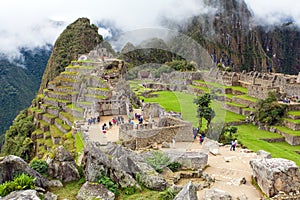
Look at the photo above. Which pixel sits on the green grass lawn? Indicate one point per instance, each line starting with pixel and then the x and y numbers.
pixel 250 137
pixel 183 103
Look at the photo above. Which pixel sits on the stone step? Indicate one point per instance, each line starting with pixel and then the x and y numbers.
pixel 66 117
pixel 94 81
pixel 242 100
pixel 44 126
pixel 64 89
pixel 98 91
pixel 56 134
pixel 37 134
pixel 62 126
pixel 50 119
pixel 293 124
pixel 81 70
pixel 59 95
pixel 69 75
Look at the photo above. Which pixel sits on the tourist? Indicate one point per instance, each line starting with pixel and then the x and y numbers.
pixel 109 124
pixel 195 132
pixel 233 144
pixel 173 142
pixel 201 139
pixel 104 128
pixel 98 119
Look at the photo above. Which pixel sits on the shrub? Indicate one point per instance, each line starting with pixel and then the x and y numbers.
pixel 108 183
pixel 168 194
pixel 158 160
pixel 174 166
pixel 20 182
pixel 40 166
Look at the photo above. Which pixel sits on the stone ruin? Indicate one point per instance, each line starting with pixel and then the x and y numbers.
pixel 165 129
pixel 276 175
pixel 160 126
pixel 258 84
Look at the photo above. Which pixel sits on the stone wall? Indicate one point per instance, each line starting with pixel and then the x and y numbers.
pixel 146 135
pixel 234 109
pixel 153 110
pixel 247 103
pixel 112 107
pixel 291 139
pixel 275 175
pixel 261 92
pixel 291 125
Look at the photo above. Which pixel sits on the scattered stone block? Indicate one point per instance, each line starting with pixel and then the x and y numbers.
pixel 276 174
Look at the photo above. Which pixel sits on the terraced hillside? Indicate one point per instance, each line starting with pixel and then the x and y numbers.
pixel 73 95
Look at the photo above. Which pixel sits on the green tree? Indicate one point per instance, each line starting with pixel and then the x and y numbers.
pixel 204 111
pixel 269 111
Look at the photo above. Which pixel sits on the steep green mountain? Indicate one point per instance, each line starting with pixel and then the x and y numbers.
pixel 78 38
pixel 20 84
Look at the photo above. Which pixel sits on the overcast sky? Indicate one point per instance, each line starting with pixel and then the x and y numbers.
pixel 27 23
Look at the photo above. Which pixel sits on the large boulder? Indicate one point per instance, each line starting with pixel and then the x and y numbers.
pixel 10 166
pixel 275 175
pixel 210 146
pixel 189 160
pixel 216 194
pixel 63 166
pixel 90 191
pixel 123 166
pixel 187 193
pixel 22 195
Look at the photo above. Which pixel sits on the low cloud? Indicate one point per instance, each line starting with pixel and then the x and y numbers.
pixel 34 23
pixel 274 12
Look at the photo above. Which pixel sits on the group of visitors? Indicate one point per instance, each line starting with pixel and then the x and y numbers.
pixel 93 120
pixel 196 131
pixel 139 117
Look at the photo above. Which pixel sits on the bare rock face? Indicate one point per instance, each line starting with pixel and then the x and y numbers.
pixel 22 195
pixel 216 194
pixel 275 175
pixel 187 193
pixel 90 191
pixel 63 166
pixel 11 165
pixel 122 165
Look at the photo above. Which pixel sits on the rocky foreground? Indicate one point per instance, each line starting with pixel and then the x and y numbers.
pixel 222 173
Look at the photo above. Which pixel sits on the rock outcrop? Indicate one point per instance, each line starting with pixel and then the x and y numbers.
pixel 11 165
pixel 122 165
pixel 276 174
pixel 90 191
pixel 187 193
pixel 189 160
pixel 216 194
pixel 63 166
pixel 22 195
